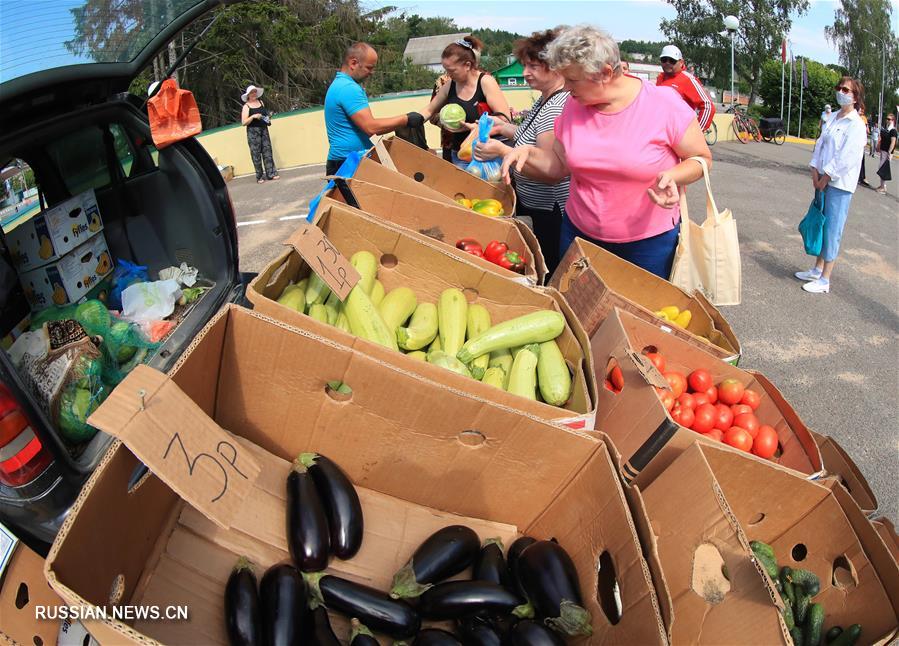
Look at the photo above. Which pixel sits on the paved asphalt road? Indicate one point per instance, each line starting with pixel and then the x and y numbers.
pixel 834 356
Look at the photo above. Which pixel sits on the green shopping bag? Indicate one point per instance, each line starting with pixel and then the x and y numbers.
pixel 812 226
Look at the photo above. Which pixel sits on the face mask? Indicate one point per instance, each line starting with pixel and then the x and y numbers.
pixel 845 99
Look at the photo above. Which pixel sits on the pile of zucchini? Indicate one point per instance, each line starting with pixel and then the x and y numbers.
pixel 530 597
pixel 803 617
pixel 520 355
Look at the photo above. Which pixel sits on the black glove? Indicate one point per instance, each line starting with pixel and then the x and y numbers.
pixel 414 120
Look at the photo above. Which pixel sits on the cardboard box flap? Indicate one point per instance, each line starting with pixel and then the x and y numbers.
pixel 166 430
pixel 887 531
pixel 839 464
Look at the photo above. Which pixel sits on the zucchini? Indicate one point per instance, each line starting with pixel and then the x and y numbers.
pixel 333 313
pixel 365 322
pixel 553 377
pixel 452 315
pixel 319 312
pixel 397 306
pixel 807 580
pixel 523 380
pixel 448 361
pixel 317 291
pixel 294 298
pixel 501 358
pixel 377 292
pixel 422 328
pixel 815 625
pixel 367 266
pixel 536 327
pixel 478 322
pixel 435 344
pixel 495 377
pixel 849 636
pixel 343 322
pixel 418 355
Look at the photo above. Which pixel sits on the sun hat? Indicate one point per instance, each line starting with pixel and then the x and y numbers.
pixel 672 51
pixel 250 88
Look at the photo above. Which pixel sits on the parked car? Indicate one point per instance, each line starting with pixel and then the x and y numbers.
pixel 74 123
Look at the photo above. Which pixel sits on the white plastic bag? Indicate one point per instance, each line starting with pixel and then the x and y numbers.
pixel 150 301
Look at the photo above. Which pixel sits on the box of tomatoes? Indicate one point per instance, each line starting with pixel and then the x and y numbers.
pixel 659 394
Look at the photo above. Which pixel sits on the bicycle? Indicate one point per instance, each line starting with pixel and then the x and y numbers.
pixel 745 127
pixel 711 135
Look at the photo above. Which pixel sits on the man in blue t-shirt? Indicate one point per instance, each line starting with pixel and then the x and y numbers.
pixel 348 118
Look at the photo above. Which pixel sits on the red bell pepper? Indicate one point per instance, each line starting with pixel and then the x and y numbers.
pixel 470 245
pixel 498 253
pixel 494 251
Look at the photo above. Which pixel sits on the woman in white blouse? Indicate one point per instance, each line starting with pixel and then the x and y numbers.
pixel 835 166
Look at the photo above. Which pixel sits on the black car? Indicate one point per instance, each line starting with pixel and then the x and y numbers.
pixel 72 121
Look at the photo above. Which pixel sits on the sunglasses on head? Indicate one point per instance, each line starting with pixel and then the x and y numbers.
pixel 668 60
pixel 844 89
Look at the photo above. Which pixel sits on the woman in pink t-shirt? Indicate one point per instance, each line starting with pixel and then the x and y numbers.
pixel 621 139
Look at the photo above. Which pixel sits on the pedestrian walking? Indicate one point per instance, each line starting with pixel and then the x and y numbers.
pixel 256 118
pixel 834 167
pixel 888 136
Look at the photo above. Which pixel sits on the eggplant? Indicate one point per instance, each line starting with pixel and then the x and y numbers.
pixel 372 607
pixel 361 635
pixel 307 524
pixel 435 637
pixel 551 584
pixel 282 596
pixel 515 549
pixel 322 633
pixel 341 502
pixel 490 564
pixel 530 633
pixel 242 619
pixel 477 631
pixel 455 599
pixel 444 553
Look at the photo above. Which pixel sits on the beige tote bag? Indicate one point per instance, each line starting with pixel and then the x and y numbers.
pixel 708 254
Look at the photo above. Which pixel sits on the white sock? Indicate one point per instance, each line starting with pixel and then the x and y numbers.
pixel 814 271
pixel 826 281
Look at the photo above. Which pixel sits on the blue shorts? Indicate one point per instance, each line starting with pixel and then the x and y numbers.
pixel 836 210
pixel 655 254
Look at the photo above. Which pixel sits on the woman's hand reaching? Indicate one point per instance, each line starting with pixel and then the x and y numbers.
pixel 664 192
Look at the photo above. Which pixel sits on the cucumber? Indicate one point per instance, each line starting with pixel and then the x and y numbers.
pixel 768 563
pixel 536 327
pixel 523 380
pixel 448 361
pixel 452 317
pixel 365 322
pixel 317 291
pixel 377 293
pixel 367 266
pixel 495 377
pixel 478 322
pixel 422 328
pixel 832 634
pixel 553 377
pixel 797 635
pixel 789 620
pixel 787 586
pixel 319 312
pixel 808 581
pixel 815 625
pixel 758 547
pixel 849 636
pixel 397 306
pixel 800 608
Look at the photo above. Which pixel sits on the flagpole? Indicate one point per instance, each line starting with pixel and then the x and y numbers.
pixel 783 63
pixel 790 94
pixel 801 88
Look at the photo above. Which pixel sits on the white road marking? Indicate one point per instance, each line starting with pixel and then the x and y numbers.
pixel 249 222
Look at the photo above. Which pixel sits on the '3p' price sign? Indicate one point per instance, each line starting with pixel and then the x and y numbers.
pixel 324 259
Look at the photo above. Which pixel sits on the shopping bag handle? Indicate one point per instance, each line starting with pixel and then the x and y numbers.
pixel 711 207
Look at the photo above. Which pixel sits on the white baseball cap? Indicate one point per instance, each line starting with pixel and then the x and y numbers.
pixel 250 88
pixel 672 51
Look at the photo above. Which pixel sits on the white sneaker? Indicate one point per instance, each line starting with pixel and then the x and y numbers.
pixel 819 286
pixel 811 274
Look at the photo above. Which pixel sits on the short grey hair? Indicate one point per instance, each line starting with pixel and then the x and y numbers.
pixel 583 45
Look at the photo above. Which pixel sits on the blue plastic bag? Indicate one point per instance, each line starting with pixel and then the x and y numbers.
pixel 347 169
pixel 812 226
pixel 490 170
pixel 126 274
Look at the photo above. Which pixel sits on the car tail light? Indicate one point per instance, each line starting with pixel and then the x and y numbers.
pixel 22 456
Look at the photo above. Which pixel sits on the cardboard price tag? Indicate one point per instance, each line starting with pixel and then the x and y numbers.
pixel 179 443
pixel 324 259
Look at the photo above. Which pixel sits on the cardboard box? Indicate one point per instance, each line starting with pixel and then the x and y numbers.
pixel 838 464
pixel 52 233
pixel 595 281
pixel 444 222
pixel 427 268
pixel 887 531
pixel 707 506
pixel 636 420
pixel 69 278
pixel 422 456
pixel 437 174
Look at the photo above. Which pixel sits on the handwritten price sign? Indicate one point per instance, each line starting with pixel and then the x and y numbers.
pixel 324 259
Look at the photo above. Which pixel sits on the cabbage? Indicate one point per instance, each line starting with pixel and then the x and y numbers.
pixel 452 115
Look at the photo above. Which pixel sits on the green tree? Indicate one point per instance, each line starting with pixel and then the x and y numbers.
pixel 821 81
pixel 861 33
pixel 650 49
pixel 696 30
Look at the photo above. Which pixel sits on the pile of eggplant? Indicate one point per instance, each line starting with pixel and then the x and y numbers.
pixel 530 597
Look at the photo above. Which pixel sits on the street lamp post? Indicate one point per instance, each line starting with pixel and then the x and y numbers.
pixel 883 63
pixel 731 24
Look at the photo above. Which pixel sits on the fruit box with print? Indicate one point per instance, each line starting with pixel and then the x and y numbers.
pixel 52 233
pixel 445 222
pixel 637 421
pixel 420 454
pixel 706 508
pixel 414 261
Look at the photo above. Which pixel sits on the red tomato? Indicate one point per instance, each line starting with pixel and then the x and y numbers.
pixel 730 391
pixel 700 380
pixel 765 443
pixel 687 401
pixel 738 438
pixel 715 434
pixel 616 378
pixel 657 360
pixel 739 409
pixel 667 398
pixel 699 399
pixel 683 416
pixel 608 385
pixel 677 381
pixel 705 417
pixel 751 399
pixel 724 418
pixel 748 421
pixel 712 394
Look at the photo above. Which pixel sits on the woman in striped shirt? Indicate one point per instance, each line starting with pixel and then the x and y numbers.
pixel 542 202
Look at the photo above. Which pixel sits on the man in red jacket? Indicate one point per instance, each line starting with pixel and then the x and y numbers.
pixel 674 75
